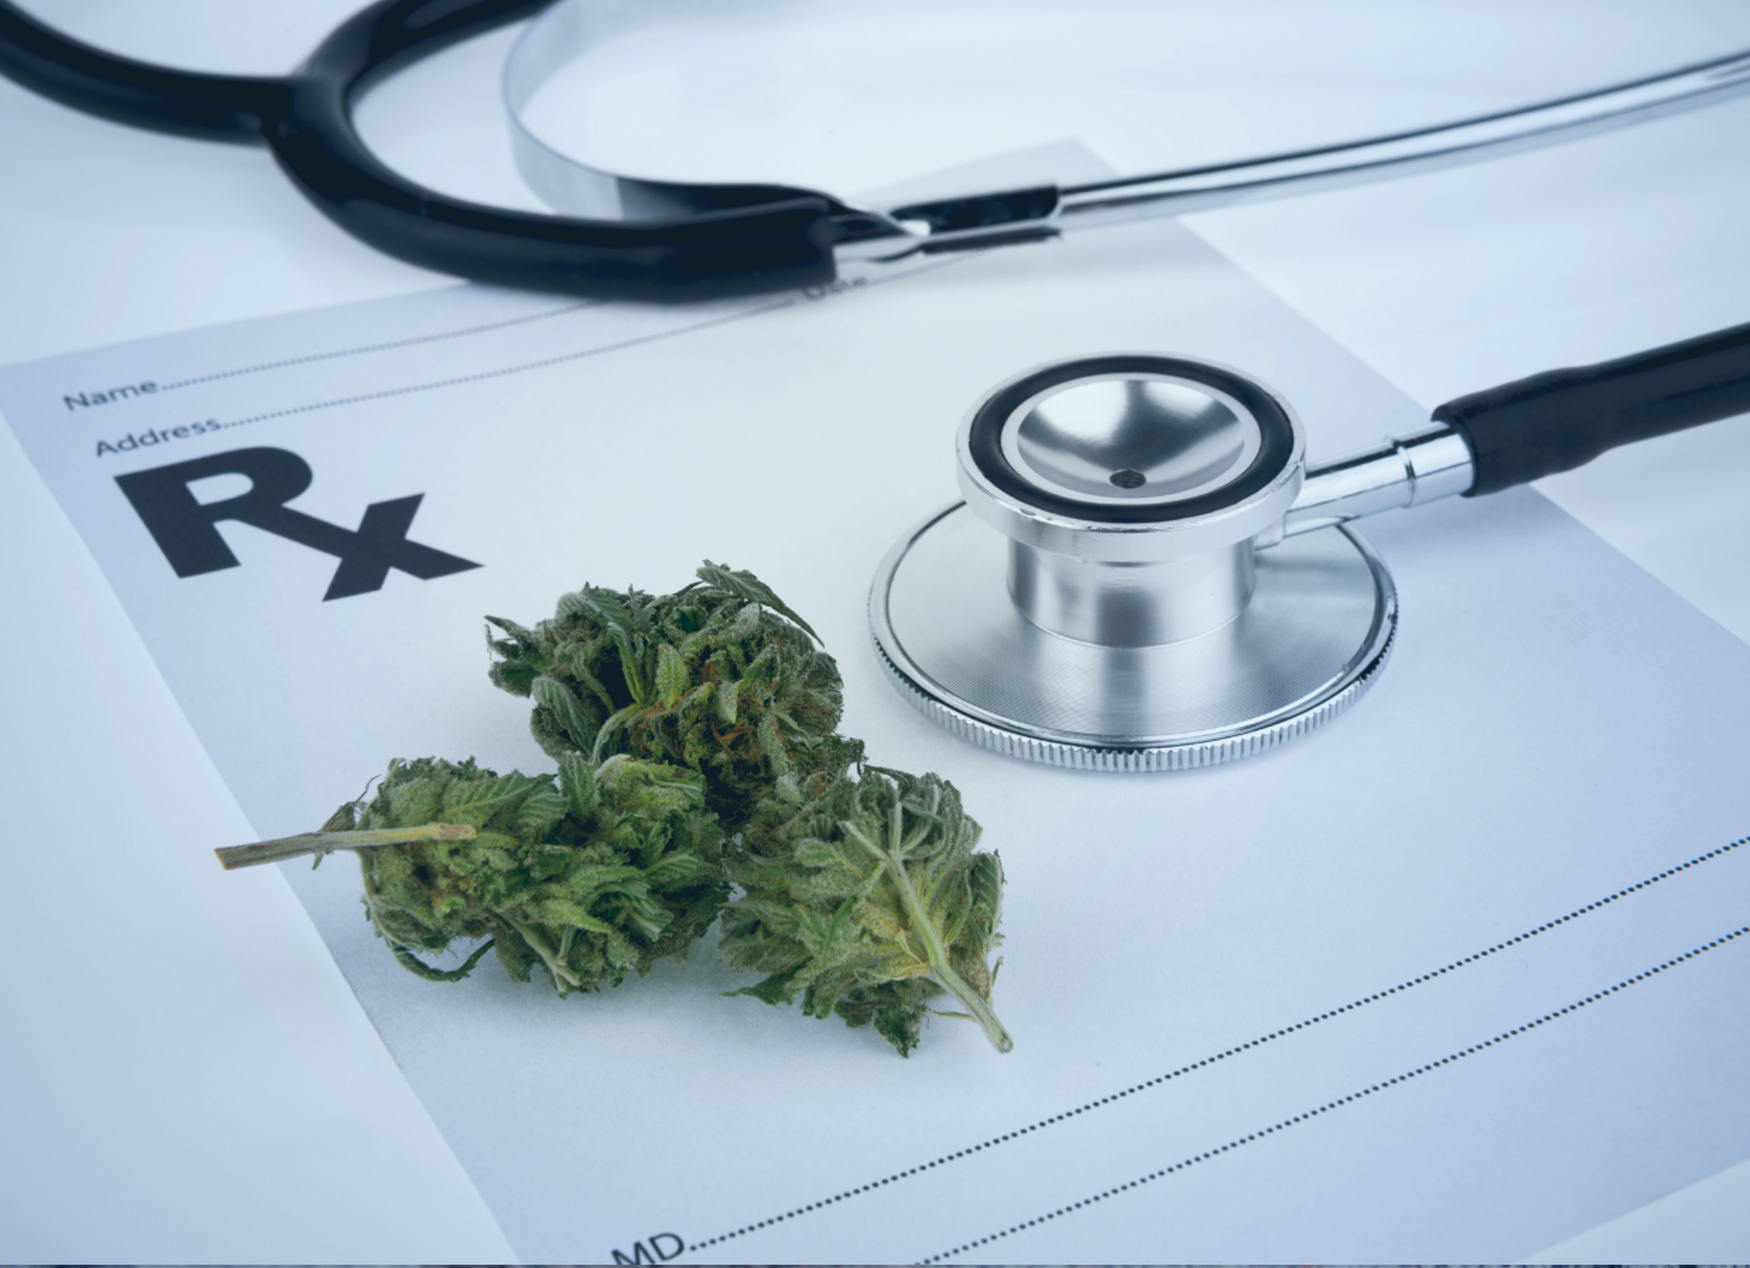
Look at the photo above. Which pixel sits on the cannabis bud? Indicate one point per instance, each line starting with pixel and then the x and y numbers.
pixel 592 874
pixel 696 742
pixel 721 677
pixel 867 899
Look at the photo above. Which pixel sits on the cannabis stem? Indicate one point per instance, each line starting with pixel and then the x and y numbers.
pixel 957 986
pixel 541 947
pixel 935 954
pixel 321 843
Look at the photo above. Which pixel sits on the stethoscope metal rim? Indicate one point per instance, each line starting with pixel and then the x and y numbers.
pixel 1246 734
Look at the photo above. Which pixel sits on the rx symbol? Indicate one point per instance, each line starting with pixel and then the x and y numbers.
pixel 186 530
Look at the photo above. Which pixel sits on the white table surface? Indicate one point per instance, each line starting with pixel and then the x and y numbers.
pixel 186 1075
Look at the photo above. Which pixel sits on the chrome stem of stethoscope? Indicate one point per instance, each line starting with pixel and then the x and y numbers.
pixel 994 218
pixel 1412 470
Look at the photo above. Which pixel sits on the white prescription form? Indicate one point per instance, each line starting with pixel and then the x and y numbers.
pixel 1453 978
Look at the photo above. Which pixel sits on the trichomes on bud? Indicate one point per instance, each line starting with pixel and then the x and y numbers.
pixel 720 676
pixel 592 874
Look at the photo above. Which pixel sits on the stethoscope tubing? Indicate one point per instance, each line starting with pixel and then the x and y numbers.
pixel 769 239
pixel 692 241
pixel 1542 425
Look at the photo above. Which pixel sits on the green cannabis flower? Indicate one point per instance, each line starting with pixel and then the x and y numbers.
pixel 721 677
pixel 592 875
pixel 696 742
pixel 867 899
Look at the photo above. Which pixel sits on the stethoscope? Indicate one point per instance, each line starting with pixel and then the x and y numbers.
pixel 648 239
pixel 1168 584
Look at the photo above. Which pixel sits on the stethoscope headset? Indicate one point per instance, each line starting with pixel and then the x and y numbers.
pixel 1154 595
pixel 631 237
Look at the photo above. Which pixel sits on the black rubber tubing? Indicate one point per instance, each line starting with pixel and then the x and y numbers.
pixel 746 239
pixel 1562 419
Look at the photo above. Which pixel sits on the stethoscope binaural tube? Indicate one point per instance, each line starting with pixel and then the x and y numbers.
pixel 1169 585
pixel 665 240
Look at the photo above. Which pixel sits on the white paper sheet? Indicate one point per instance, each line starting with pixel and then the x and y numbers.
pixel 1387 993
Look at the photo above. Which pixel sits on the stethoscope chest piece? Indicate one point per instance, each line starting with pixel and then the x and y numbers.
pixel 1104 598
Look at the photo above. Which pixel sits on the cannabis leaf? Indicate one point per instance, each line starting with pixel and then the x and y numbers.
pixel 866 898
pixel 746 586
